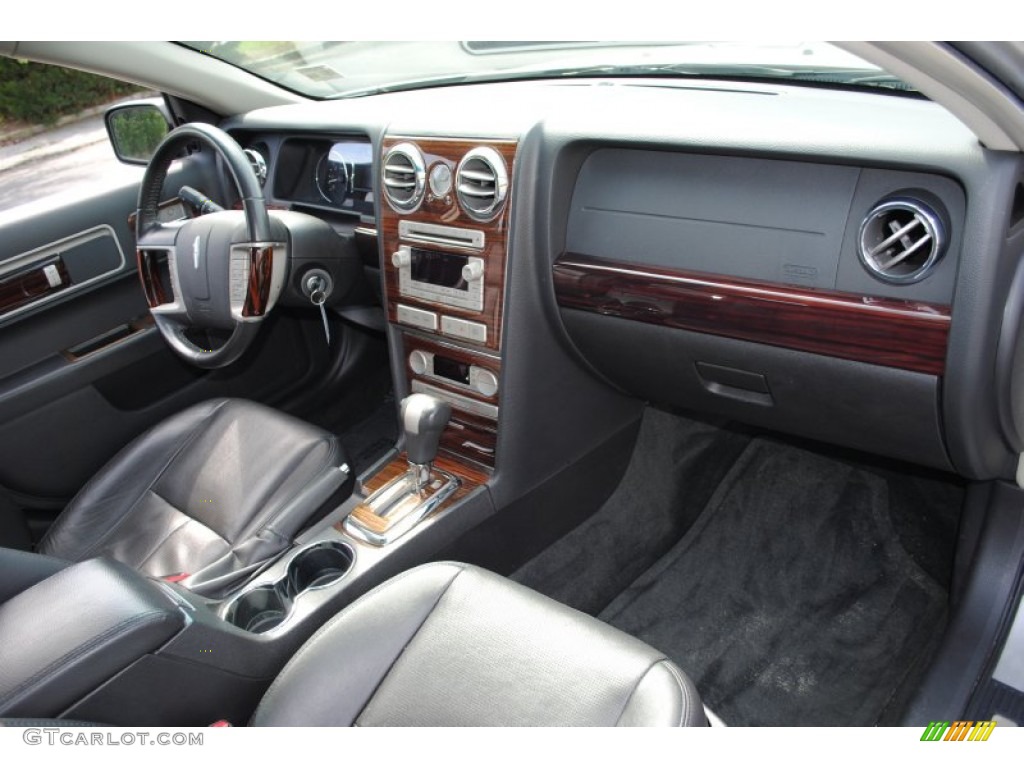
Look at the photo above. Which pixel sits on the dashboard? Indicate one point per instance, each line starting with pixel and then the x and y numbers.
pixel 832 264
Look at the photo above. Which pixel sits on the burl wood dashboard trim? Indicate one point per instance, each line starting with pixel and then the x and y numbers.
pixel 470 478
pixel 899 334
pixel 153 287
pixel 446 211
pixel 31 284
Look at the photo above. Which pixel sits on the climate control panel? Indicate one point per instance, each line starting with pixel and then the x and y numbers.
pixel 457 373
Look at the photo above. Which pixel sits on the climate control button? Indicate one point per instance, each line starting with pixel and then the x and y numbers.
pixel 419 362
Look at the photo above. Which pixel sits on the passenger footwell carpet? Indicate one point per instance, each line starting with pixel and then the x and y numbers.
pixel 790 600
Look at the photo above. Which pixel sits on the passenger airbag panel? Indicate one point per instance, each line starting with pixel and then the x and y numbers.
pixel 771 220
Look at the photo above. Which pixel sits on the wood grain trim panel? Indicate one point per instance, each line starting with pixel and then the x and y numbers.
pixel 153 287
pixel 470 478
pixel 898 334
pixel 472 438
pixel 370 520
pixel 261 270
pixel 470 475
pixel 459 354
pixel 31 284
pixel 446 211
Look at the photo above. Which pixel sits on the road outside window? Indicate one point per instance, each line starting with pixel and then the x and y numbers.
pixel 53 143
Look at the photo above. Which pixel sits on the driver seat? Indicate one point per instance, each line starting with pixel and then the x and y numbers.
pixel 206 497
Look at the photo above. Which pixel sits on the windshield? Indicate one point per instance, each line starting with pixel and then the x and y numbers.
pixel 341 69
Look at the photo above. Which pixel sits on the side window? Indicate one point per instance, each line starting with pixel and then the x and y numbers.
pixel 53 141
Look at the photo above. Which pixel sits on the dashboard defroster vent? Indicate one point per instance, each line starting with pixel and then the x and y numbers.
pixel 481 183
pixel 901 239
pixel 404 177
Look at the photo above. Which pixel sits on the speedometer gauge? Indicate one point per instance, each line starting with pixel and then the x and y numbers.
pixel 334 177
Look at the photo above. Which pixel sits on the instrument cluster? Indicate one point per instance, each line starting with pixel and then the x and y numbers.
pixel 326 173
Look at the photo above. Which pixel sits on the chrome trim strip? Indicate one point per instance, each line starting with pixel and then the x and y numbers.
pixel 410 519
pixel 461 345
pixel 436 234
pixel 466 404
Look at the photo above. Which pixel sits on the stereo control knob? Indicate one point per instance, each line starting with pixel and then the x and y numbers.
pixel 419 362
pixel 485 382
pixel 401 258
pixel 474 270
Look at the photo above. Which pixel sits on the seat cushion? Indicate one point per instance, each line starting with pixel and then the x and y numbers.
pixel 451 645
pixel 208 492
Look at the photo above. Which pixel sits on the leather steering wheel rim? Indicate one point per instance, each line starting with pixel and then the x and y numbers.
pixel 252 263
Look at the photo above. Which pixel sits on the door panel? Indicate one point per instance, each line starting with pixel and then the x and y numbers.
pixel 58 431
pixel 82 369
pixel 58 270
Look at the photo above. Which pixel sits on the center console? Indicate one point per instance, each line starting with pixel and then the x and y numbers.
pixel 444 235
pixel 444 231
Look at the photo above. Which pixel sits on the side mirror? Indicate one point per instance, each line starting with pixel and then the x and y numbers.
pixel 136 130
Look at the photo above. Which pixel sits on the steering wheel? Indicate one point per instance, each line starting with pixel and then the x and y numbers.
pixel 225 269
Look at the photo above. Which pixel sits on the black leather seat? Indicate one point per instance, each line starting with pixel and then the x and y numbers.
pixel 450 644
pixel 206 497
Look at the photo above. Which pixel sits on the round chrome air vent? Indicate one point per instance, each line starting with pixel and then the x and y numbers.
pixel 481 183
pixel 901 239
pixel 405 177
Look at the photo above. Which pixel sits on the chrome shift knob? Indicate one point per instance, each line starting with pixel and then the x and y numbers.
pixel 423 420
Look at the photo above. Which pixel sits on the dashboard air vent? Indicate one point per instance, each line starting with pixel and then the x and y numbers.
pixel 404 177
pixel 901 239
pixel 481 183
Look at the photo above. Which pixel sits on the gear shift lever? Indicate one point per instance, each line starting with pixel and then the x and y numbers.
pixel 423 419
pixel 400 504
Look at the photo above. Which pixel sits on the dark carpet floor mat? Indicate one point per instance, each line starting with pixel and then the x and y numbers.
pixel 790 601
pixel 675 467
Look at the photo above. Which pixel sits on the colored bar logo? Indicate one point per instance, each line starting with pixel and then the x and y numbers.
pixel 961 730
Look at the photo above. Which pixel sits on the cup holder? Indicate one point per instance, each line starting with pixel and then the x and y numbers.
pixel 259 610
pixel 318 566
pixel 262 608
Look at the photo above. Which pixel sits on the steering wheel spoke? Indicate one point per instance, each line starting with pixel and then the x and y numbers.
pixel 157 271
pixel 256 278
pixel 173 310
pixel 159 235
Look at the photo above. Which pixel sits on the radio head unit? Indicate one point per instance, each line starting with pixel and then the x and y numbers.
pixel 441 277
